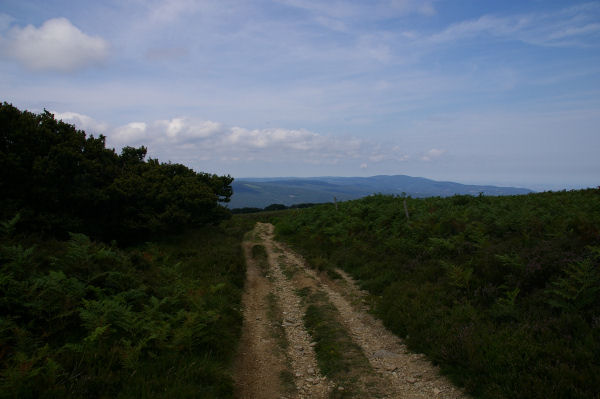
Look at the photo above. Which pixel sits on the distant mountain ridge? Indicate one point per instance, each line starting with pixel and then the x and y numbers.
pixel 261 192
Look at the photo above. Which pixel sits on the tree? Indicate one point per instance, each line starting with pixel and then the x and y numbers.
pixel 61 180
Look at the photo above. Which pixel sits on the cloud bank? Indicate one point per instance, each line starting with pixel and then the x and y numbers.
pixel 57 45
pixel 183 139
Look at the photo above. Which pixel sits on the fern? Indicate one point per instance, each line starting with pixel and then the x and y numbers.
pixel 460 277
pixel 19 259
pixel 78 252
pixel 441 245
pixel 512 262
pixel 579 287
pixel 55 296
pixel 8 227
pixel 112 311
pixel 509 298
pixel 95 335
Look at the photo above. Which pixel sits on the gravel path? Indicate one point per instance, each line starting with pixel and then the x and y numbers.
pixel 258 365
pixel 399 373
pixel 309 380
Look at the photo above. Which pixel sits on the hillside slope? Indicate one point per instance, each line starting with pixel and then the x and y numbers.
pixel 260 192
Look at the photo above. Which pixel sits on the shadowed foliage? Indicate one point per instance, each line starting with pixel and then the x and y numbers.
pixel 61 180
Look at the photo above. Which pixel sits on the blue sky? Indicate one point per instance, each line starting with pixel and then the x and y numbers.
pixel 499 92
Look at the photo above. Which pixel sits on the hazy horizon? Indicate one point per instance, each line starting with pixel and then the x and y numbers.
pixel 498 93
pixel 533 187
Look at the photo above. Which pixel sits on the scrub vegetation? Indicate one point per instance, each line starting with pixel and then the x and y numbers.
pixel 119 277
pixel 502 292
pixel 86 319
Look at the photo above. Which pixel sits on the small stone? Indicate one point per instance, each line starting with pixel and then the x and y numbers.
pixel 299 348
pixel 340 388
pixel 309 380
pixel 310 371
pixel 411 380
pixel 313 344
pixel 436 391
pixel 258 318
pixel 298 375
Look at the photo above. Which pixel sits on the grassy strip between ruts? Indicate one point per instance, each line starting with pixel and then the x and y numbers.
pixel 338 357
pixel 275 316
pixel 259 254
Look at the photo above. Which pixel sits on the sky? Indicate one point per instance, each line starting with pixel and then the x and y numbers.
pixel 473 91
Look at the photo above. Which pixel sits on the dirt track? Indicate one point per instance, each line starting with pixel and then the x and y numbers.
pixel 277 356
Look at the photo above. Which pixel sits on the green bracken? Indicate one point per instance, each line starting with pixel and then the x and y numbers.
pixel 502 292
pixel 83 319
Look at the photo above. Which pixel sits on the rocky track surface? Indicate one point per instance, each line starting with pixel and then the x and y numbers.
pixel 278 356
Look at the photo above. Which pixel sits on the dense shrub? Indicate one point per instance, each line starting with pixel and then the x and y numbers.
pixel 61 180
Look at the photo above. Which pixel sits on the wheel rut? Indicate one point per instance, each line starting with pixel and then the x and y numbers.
pixel 388 371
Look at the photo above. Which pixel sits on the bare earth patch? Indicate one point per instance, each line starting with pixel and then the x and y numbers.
pixel 259 365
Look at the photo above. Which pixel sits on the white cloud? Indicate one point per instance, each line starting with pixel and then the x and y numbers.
pixel 188 140
pixel 134 133
pixel 575 31
pixel 432 154
pixel 184 130
pixel 56 45
pixel 364 166
pixel 83 122
pixel 572 26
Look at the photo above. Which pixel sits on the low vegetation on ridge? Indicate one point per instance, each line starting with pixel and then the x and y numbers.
pixel 502 292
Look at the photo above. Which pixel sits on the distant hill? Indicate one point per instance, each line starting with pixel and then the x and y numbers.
pixel 260 192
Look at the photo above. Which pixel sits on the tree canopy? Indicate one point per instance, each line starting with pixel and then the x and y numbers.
pixel 61 180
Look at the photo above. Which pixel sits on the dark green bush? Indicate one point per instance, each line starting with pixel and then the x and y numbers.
pixel 61 181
